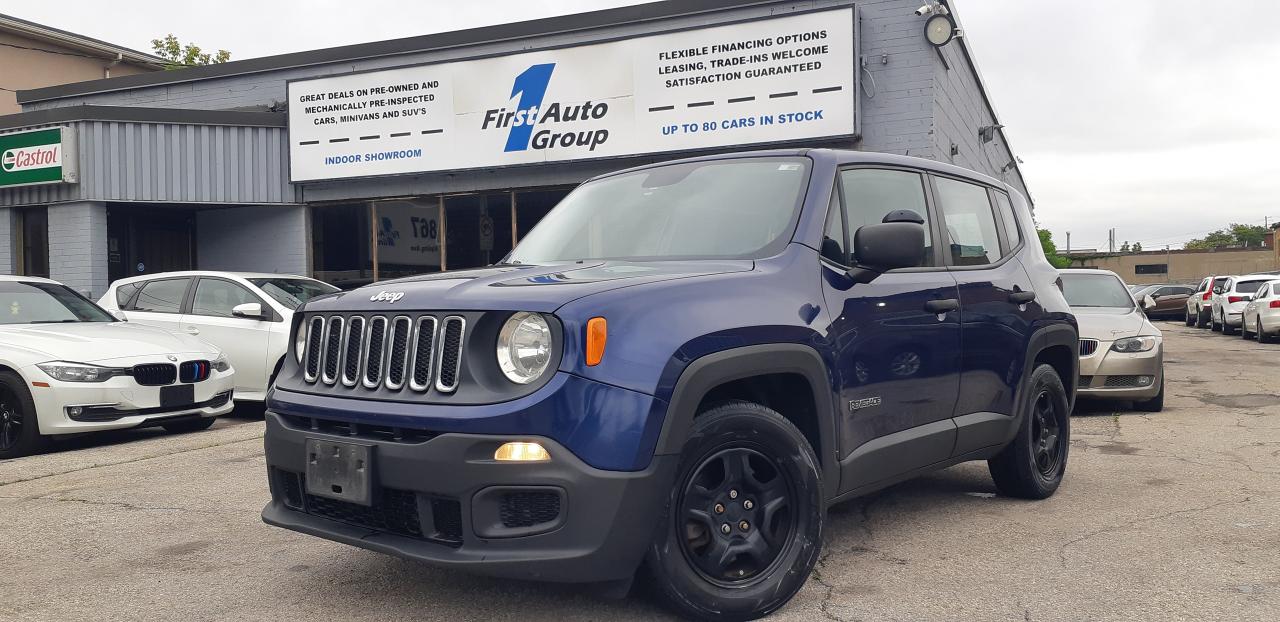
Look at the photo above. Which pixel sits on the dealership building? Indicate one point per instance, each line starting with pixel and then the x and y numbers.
pixel 439 152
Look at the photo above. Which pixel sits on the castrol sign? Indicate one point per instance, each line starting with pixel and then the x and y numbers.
pixel 37 157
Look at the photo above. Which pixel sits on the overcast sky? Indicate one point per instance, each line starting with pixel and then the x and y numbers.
pixel 1157 118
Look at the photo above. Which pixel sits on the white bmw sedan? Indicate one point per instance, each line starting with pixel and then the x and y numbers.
pixel 67 366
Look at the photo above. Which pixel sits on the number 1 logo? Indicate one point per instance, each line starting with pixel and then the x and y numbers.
pixel 532 87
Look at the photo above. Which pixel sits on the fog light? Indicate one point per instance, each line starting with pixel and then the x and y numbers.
pixel 74 411
pixel 1144 380
pixel 521 452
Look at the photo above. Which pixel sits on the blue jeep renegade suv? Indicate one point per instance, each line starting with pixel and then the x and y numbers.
pixel 678 371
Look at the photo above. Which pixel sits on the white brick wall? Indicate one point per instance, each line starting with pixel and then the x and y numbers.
pixel 8 248
pixel 78 247
pixel 254 239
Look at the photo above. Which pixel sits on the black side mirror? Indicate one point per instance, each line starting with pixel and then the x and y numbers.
pixel 897 242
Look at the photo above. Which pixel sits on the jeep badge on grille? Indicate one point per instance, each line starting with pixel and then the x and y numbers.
pixel 386 296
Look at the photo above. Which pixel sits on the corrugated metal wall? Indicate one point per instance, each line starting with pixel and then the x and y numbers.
pixel 172 163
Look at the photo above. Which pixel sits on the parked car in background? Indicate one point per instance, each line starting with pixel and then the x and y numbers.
pixel 1230 298
pixel 1170 298
pixel 247 315
pixel 1121 351
pixel 1200 304
pixel 67 366
pixel 1261 317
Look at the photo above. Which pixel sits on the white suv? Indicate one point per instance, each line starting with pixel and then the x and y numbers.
pixel 246 315
pixel 68 367
pixel 1231 298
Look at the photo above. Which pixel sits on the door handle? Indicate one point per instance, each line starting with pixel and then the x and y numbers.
pixel 942 306
pixel 1022 298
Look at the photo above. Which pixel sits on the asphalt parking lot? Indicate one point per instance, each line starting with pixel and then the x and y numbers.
pixel 1166 516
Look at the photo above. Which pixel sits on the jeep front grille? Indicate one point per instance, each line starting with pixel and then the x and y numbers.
pixel 399 352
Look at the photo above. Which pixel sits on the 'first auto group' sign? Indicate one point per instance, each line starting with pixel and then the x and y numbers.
pixel 44 156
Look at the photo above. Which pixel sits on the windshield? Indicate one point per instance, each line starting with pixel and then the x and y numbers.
pixel 24 302
pixel 1248 287
pixel 293 292
pixel 725 209
pixel 1095 290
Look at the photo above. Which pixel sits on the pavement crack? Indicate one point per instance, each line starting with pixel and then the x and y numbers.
pixel 1062 550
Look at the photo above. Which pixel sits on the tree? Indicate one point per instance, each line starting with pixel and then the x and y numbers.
pixel 1249 235
pixel 1236 234
pixel 1137 247
pixel 1124 248
pixel 1213 240
pixel 1051 250
pixel 189 55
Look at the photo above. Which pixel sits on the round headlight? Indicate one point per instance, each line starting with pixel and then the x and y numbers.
pixel 300 342
pixel 524 347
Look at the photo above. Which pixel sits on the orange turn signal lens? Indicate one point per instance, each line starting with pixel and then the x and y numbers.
pixel 597 334
pixel 521 452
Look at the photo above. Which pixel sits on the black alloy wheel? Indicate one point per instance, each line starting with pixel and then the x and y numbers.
pixel 19 429
pixel 11 420
pixel 737 516
pixel 1033 464
pixel 741 530
pixel 1045 434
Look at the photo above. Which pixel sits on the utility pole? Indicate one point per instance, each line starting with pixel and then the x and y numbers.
pixel 1111 240
pixel 1068 242
pixel 1168 267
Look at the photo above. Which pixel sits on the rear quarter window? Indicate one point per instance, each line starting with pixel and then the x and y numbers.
pixel 124 293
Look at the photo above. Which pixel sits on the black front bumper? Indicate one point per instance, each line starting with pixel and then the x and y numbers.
pixel 444 500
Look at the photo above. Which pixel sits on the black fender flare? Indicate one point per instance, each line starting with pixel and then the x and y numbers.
pixel 1057 334
pixel 709 371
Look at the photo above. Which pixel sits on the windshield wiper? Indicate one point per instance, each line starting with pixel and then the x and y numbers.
pixel 53 321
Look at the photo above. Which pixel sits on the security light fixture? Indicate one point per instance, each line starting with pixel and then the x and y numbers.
pixel 939 30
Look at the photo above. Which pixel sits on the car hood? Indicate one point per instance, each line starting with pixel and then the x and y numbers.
pixel 96 342
pixel 1111 324
pixel 542 288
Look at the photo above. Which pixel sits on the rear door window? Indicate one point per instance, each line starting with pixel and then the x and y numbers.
pixel 968 222
pixel 217 298
pixel 163 296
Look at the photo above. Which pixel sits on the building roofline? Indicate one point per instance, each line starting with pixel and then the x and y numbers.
pixel 394 47
pixel 96 47
pixel 184 116
pixel 982 88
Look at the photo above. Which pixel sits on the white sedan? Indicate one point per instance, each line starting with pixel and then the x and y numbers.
pixel 247 315
pixel 67 366
pixel 1262 315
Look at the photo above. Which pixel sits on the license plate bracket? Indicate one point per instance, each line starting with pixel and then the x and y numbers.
pixel 177 395
pixel 341 471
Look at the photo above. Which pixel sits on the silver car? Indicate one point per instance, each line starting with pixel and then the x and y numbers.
pixel 1262 315
pixel 1121 352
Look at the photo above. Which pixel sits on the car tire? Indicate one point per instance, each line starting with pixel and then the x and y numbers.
pixel 1202 319
pixel 1228 329
pixel 19 426
pixel 1244 329
pixel 1155 404
pixel 1188 318
pixel 1263 337
pixel 1213 323
pixel 189 425
pixel 733 446
pixel 1031 466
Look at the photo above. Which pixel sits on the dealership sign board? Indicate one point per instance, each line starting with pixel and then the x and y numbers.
pixel 768 80
pixel 44 156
